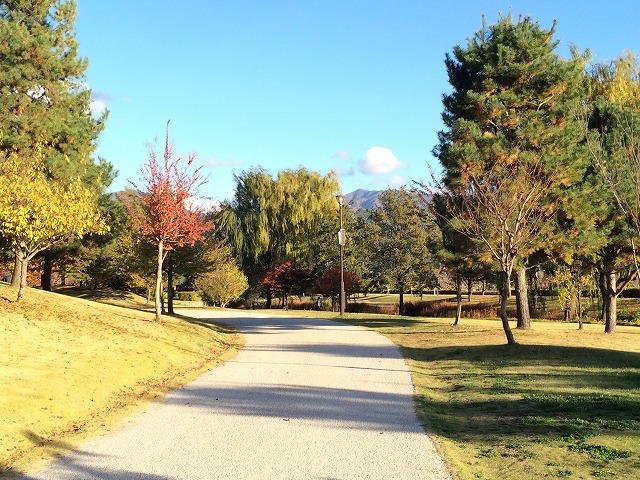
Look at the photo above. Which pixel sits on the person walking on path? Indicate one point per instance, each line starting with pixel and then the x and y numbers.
pixel 304 399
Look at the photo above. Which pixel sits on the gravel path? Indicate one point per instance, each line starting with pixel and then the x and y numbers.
pixel 305 399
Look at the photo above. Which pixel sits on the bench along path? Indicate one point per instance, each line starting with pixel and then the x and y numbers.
pixel 304 399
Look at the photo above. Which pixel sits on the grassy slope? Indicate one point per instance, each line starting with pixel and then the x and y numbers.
pixel 70 367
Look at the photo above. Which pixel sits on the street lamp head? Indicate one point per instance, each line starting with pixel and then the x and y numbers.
pixel 340 199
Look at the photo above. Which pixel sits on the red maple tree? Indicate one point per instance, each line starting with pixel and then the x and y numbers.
pixel 287 278
pixel 328 284
pixel 168 214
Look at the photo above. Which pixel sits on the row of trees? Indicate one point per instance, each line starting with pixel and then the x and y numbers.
pixel 539 159
pixel 539 156
pixel 54 200
pixel 283 230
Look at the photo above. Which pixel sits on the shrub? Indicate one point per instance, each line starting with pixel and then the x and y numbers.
pixel 628 318
pixel 385 309
pixel 188 296
pixel 631 293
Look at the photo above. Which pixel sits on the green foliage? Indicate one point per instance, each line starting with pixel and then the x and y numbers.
pixel 273 219
pixel 603 473
pixel 612 120
pixel 44 100
pixel 599 453
pixel 188 296
pixel 511 98
pixel 224 283
pixel 490 453
pixel 397 235
pixel 509 149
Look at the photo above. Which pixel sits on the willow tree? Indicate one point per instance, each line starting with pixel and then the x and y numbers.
pixel 44 100
pixel 37 213
pixel 270 219
pixel 508 126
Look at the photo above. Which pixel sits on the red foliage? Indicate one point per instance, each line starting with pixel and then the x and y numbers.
pixel 329 283
pixel 170 215
pixel 287 278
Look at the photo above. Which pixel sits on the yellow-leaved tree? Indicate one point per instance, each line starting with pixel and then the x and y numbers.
pixel 37 212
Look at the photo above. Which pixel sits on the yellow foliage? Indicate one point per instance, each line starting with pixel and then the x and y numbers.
pixel 618 81
pixel 37 212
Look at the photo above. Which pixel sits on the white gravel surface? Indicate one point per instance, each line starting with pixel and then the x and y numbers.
pixel 305 399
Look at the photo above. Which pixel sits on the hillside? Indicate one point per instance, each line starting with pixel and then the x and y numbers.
pixel 70 367
pixel 364 199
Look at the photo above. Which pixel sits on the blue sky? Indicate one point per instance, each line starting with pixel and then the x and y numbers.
pixel 351 86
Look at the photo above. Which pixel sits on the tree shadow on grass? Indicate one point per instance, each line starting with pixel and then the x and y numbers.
pixel 593 391
pixel 528 355
pixel 97 295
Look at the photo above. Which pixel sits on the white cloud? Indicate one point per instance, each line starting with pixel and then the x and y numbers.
pixel 344 171
pixel 342 155
pixel 397 181
pixel 97 107
pixel 99 102
pixel 378 161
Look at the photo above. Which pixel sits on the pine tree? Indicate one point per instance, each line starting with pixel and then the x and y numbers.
pixel 509 144
pixel 44 99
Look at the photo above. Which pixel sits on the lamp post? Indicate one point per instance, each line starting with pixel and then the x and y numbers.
pixel 341 242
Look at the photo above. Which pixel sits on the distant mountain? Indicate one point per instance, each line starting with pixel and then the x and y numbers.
pixel 367 199
pixel 364 199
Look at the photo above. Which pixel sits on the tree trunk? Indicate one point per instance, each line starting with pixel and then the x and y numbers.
pixel 401 303
pixel 22 276
pixel 17 269
pixel 170 292
pixel 522 299
pixel 573 306
pixel 458 298
pixel 158 296
pixel 47 270
pixel 504 297
pixel 611 303
pixel 469 288
pixel 602 283
pixel 267 303
pixel 580 325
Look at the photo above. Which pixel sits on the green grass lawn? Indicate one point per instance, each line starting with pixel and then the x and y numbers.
pixel 561 403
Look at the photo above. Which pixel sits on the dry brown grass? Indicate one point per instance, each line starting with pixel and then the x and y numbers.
pixel 70 367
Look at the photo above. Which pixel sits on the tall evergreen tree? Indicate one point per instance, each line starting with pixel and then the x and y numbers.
pixel 509 137
pixel 44 98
